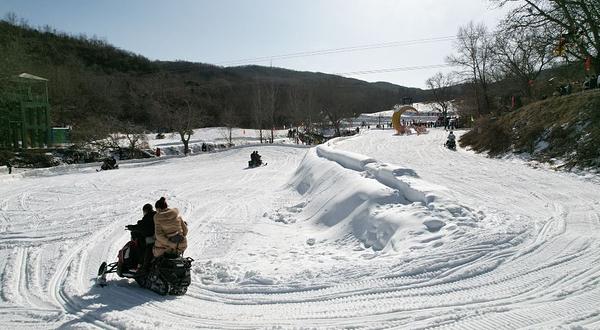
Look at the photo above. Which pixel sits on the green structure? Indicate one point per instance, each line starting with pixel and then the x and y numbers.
pixel 25 113
pixel 60 136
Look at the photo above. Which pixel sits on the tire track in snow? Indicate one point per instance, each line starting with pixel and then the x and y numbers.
pixel 120 293
pixel 554 240
pixel 60 291
pixel 520 282
pixel 71 269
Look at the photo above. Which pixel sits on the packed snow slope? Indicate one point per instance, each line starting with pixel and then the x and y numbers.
pixel 372 231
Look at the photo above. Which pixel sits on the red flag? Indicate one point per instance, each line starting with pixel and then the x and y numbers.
pixel 588 62
pixel 244 132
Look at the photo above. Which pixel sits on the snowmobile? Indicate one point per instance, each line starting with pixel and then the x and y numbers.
pixel 106 167
pixel 257 163
pixel 109 164
pixel 450 144
pixel 255 160
pixel 167 275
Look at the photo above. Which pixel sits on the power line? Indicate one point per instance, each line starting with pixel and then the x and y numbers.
pixel 407 68
pixel 339 50
pixel 312 53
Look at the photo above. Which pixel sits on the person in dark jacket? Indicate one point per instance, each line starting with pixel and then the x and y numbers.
pixel 141 230
pixel 254 159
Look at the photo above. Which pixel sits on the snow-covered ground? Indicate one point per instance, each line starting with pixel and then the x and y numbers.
pixel 215 138
pixel 371 231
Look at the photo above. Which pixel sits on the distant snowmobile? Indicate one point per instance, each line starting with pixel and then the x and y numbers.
pixel 450 144
pixel 255 160
pixel 109 164
pixel 167 275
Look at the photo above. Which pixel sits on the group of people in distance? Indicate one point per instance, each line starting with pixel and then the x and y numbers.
pixel 158 232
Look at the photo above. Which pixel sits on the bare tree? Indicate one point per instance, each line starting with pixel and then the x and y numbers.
pixel 569 23
pixel 264 108
pixel 183 118
pixel 336 102
pixel 101 133
pixel 230 119
pixel 440 85
pixel 270 107
pixel 311 116
pixel 522 55
pixel 311 112
pixel 110 134
pixel 136 138
pixel 180 115
pixel 257 108
pixel 11 18
pixel 297 103
pixel 474 46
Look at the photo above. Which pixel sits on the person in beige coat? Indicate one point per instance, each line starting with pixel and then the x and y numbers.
pixel 170 230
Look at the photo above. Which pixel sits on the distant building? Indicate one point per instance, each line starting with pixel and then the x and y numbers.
pixel 25 113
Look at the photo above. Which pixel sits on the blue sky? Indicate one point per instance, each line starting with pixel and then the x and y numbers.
pixel 218 32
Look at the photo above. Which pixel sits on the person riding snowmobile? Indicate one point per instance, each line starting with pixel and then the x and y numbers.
pixel 451 141
pixel 168 271
pixel 143 231
pixel 254 159
pixel 110 163
pixel 170 230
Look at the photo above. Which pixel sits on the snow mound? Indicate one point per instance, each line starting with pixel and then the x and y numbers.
pixel 386 207
pixel 345 158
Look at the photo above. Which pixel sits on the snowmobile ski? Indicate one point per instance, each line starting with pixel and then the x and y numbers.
pixel 101 279
pixel 261 165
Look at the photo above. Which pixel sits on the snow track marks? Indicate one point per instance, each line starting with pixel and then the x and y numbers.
pixel 531 261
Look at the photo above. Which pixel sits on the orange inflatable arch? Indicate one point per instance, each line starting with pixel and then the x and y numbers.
pixel 397 113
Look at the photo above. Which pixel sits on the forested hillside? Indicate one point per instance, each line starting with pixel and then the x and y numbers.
pixel 98 88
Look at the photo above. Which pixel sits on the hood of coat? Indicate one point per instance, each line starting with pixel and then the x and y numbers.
pixel 166 215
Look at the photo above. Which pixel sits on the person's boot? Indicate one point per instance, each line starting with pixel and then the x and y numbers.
pixel 145 267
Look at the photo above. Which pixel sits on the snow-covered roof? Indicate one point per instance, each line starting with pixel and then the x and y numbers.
pixel 27 77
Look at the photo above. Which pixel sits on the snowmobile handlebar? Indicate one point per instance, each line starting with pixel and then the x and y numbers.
pixel 132 228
